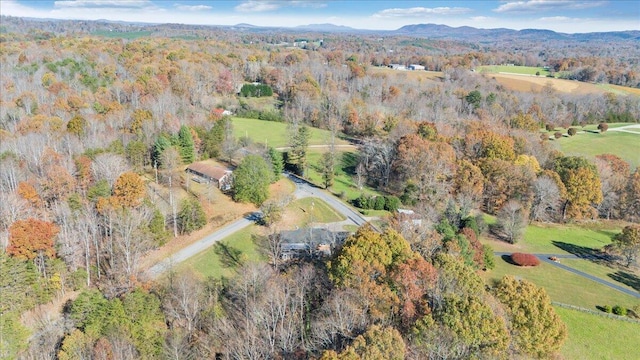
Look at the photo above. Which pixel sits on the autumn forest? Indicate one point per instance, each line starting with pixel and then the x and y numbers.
pixel 98 123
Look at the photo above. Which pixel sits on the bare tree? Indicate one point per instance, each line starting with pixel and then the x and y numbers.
pixel 512 220
pixel 109 166
pixel 546 199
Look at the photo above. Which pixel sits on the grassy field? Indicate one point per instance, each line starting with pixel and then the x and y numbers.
pixel 222 259
pixel 345 171
pixel 523 70
pixel 275 133
pixel 557 239
pixel 314 210
pixel 619 276
pixel 563 286
pixel 624 145
pixel 591 337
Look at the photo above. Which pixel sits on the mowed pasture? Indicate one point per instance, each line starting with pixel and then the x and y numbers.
pixel 589 144
pixel 276 134
pixel 596 337
pixel 522 70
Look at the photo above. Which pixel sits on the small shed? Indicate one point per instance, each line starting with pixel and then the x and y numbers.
pixel 416 67
pixel 217 175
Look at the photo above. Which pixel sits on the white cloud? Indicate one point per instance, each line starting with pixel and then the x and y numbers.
pixel 531 6
pixel 481 18
pixel 102 4
pixel 270 5
pixel 193 7
pixel 563 19
pixel 420 11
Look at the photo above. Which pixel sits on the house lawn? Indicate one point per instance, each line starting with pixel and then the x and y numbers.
pixel 216 261
pixel 314 210
pixel 597 337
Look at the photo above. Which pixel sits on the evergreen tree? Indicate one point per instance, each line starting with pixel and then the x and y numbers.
pixel 187 148
pixel 277 164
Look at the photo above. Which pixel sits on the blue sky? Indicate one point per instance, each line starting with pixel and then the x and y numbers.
pixel 559 15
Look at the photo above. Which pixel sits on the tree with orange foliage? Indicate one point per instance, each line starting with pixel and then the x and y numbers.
pixel 128 190
pixel 32 238
pixel 29 193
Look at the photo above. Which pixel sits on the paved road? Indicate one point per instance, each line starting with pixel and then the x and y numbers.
pixel 545 258
pixel 199 246
pixel 303 189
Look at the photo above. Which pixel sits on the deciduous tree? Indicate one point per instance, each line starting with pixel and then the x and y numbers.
pixel 628 243
pixel 536 328
pixel 128 190
pixel 32 238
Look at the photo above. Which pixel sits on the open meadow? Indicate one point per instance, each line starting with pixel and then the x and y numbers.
pixel 276 134
pixel 522 70
pixel 586 330
pixel 623 144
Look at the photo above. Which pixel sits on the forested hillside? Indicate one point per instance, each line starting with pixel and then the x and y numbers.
pixel 96 131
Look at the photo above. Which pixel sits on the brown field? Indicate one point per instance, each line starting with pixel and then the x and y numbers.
pixel 526 83
pixel 408 74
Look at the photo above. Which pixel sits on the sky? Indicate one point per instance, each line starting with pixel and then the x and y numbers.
pixel 566 16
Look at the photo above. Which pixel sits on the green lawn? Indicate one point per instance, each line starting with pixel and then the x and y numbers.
pixel 275 134
pixel 316 211
pixel 596 337
pixel 558 239
pixel 623 277
pixel 624 145
pixel 524 70
pixel 563 286
pixel 222 259
pixel 344 182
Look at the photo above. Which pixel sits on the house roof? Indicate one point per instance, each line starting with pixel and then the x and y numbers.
pixel 214 172
pixel 314 235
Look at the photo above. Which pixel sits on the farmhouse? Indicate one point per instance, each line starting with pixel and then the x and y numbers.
pixel 219 176
pixel 397 67
pixel 416 67
pixel 317 242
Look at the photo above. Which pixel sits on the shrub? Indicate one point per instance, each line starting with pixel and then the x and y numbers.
pixel 557 135
pixel 391 203
pixel 607 309
pixel 549 127
pixel 572 131
pixel 603 127
pixel 379 202
pixel 522 259
pixel 619 310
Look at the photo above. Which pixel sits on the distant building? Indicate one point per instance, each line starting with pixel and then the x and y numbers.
pixel 416 67
pixel 397 67
pixel 220 177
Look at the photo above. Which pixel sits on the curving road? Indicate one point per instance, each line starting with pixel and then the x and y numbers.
pixel 545 258
pixel 303 189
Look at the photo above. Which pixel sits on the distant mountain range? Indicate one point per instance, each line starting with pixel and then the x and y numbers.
pixel 471 33
pixel 432 31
